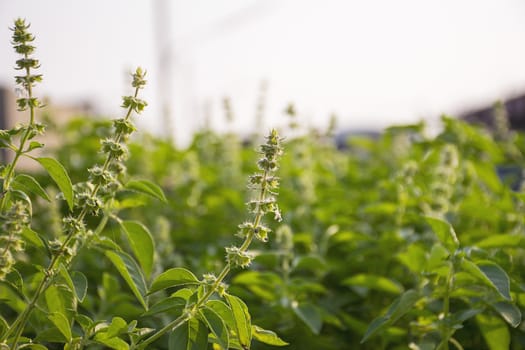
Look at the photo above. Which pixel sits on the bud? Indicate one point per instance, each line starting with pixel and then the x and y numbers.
pixel 236 257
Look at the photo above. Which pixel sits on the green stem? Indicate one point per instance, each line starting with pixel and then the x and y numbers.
pixel 25 137
pixel 445 330
pixel 456 344
pixel 179 321
pixel 49 273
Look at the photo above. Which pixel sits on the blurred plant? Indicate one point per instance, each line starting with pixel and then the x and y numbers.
pixel 230 326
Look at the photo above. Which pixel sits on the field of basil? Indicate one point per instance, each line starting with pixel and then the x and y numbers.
pixel 401 241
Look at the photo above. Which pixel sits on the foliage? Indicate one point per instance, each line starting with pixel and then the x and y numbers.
pixel 47 287
pixel 401 241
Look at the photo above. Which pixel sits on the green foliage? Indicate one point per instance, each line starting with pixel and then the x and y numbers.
pixel 400 241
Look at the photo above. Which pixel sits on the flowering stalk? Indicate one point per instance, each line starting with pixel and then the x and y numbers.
pixel 15 210
pixel 90 198
pixel 264 184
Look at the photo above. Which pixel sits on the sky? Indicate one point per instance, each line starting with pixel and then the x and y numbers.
pixel 372 63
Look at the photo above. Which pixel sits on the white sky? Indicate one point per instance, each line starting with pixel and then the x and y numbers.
pixel 373 62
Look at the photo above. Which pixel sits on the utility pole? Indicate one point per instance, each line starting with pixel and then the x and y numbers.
pixel 166 60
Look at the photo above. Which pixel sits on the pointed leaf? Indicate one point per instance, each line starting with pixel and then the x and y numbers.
pixel 118 326
pixel 14 280
pixel 310 315
pixel 59 174
pixel 223 311
pixel 141 243
pixel 444 232
pixel 397 309
pixel 510 312
pixel 379 283
pixel 173 304
pixel 112 343
pixel 267 337
pixel 498 277
pixel 84 321
pixel 192 335
pixel 12 299
pixel 34 145
pixel 176 276
pixel 130 271
pixel 80 283
pixel 28 183
pixel 500 241
pixel 147 187
pixel 241 316
pixel 32 237
pixel 61 323
pixel 59 298
pixel 494 331
pixel 489 274
pixel 216 325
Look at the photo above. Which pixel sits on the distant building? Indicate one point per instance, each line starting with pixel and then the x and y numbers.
pixel 515 110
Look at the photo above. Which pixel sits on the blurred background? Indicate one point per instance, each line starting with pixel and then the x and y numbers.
pixel 371 63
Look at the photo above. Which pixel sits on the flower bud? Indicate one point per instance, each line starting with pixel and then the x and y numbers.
pixel 237 257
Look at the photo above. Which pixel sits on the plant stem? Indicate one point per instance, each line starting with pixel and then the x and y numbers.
pixel 445 330
pixel 50 271
pixel 10 173
pixel 179 321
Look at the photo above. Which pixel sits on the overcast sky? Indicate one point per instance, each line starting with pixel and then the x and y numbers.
pixel 373 62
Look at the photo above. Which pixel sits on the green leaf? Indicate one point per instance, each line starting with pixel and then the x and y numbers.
pixel 32 237
pixel 310 315
pixel 176 276
pixel 59 174
pixel 374 282
pixel 76 282
pixel 118 326
pixel 444 231
pixel 494 331
pixel 60 299
pixel 112 343
pixel 34 145
pixel 130 271
pixel 413 258
pixel 500 241
pixel 308 263
pixel 10 297
pixel 14 280
pixel 437 258
pixel 173 304
pixel 397 309
pixel 147 187
pixel 267 337
pixel 191 335
pixel 490 274
pixel 141 243
pixel 84 321
pixel 80 284
pixel 61 323
pixel 106 243
pixel 223 311
pixel 216 325
pixel 510 312
pixel 498 277
pixel 29 184
pixel 242 319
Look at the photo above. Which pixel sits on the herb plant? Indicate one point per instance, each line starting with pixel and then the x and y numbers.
pixel 394 241
pixel 47 299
